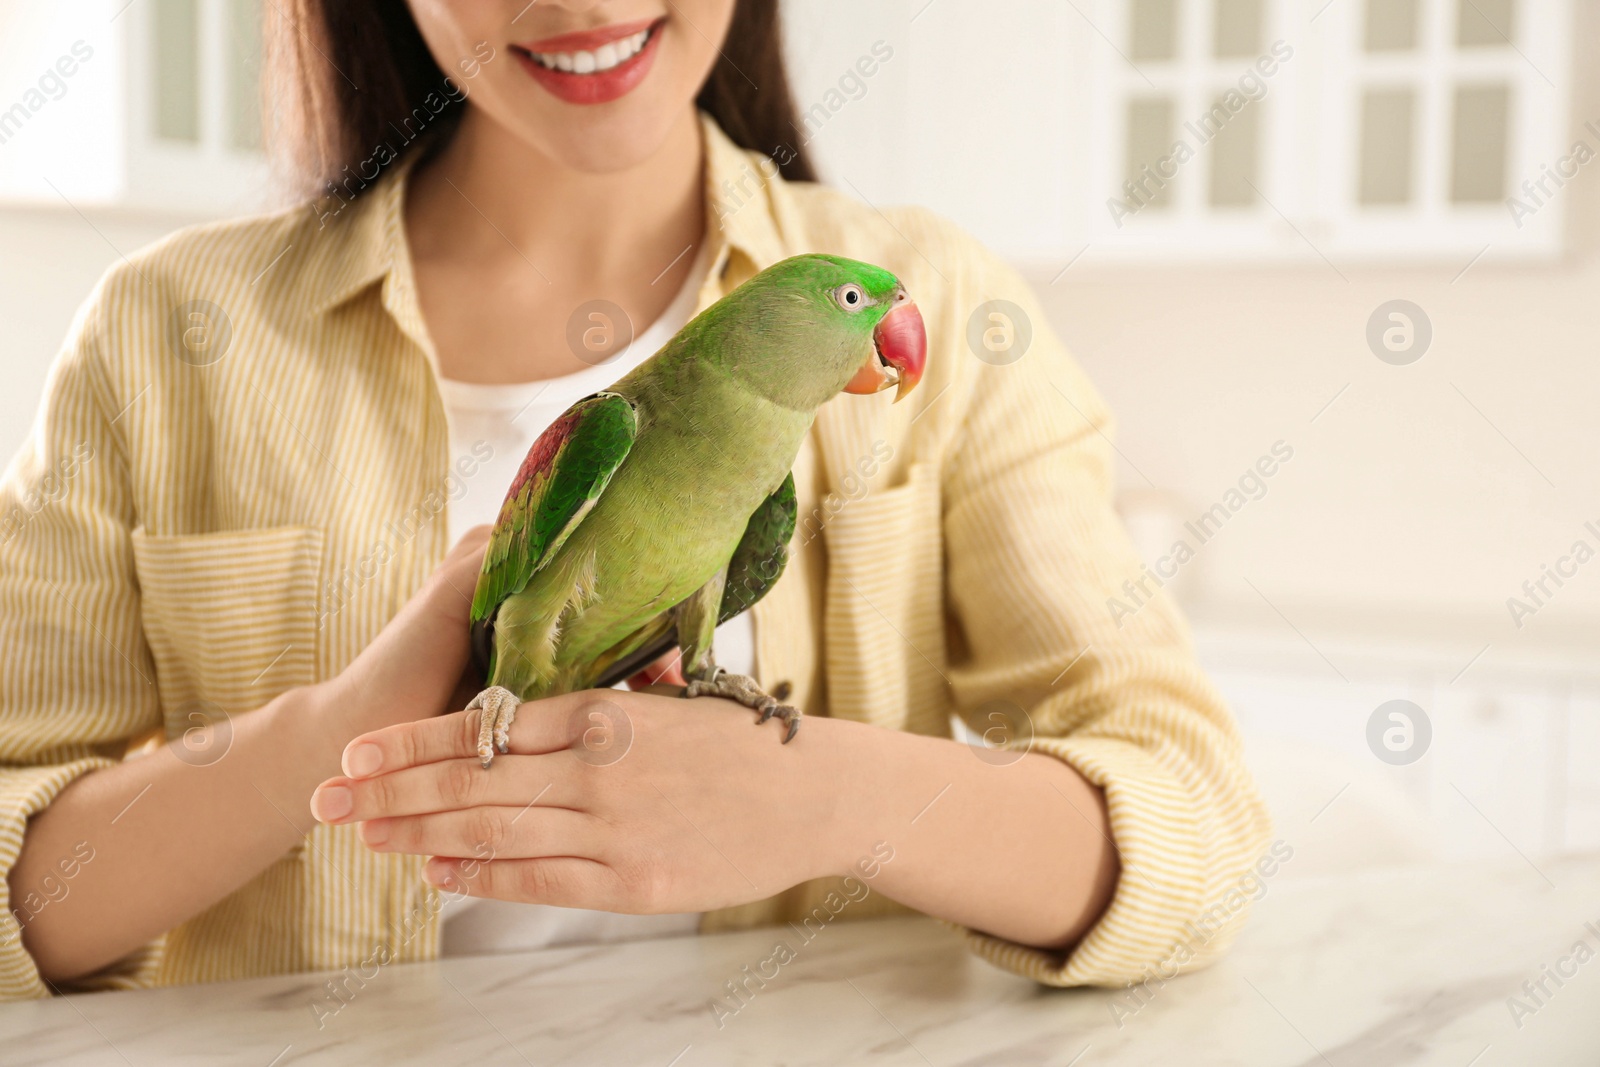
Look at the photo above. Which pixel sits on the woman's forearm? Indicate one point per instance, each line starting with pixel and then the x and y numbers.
pixel 1021 850
pixel 170 839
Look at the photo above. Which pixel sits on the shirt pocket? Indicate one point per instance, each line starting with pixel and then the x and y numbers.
pixel 230 618
pixel 874 520
pixel 884 619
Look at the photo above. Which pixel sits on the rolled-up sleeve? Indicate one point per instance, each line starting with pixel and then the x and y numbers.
pixel 1037 559
pixel 77 681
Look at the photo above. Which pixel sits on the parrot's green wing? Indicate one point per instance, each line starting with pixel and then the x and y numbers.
pixel 559 481
pixel 762 553
pixel 753 569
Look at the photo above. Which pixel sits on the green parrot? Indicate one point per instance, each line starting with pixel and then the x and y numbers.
pixel 652 511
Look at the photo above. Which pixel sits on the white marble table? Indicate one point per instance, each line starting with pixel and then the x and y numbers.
pixel 1399 967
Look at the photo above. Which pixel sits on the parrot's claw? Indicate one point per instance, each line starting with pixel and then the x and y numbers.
pixel 745 690
pixel 499 707
pixel 790 717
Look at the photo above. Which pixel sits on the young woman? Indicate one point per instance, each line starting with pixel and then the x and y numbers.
pixel 232 527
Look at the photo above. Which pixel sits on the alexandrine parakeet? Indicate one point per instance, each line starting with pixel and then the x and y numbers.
pixel 652 511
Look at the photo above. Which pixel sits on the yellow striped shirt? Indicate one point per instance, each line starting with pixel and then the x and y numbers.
pixel 239 473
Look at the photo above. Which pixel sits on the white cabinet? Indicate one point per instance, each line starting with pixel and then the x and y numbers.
pixel 152 105
pixel 1512 766
pixel 1210 130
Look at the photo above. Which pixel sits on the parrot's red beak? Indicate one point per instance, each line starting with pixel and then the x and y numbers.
pixel 900 352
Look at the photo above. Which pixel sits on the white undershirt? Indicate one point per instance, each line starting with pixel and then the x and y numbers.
pixel 491 429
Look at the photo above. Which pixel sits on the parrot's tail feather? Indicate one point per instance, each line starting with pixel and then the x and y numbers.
pixel 483 646
pixel 634 653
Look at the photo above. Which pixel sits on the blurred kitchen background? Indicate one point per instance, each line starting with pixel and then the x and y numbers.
pixel 1435 152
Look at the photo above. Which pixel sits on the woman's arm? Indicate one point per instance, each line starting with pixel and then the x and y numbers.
pixel 638 802
pixel 1038 572
pixel 1039 882
pixel 170 839
pixel 1020 850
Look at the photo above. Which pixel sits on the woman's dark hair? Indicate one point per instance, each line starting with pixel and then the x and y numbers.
pixel 326 136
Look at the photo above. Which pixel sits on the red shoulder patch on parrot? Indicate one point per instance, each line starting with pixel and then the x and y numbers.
pixel 542 453
pixel 564 473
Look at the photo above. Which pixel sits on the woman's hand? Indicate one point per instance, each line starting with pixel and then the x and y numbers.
pixel 622 801
pixel 665 669
pixel 420 664
pixel 643 803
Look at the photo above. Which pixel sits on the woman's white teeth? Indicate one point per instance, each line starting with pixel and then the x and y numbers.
pixel 603 58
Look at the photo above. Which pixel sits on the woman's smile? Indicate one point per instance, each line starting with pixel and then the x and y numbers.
pixel 593 66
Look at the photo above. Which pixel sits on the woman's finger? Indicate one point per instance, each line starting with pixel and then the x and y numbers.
pixel 449 785
pixel 665 669
pixel 562 881
pixel 540 726
pixel 489 832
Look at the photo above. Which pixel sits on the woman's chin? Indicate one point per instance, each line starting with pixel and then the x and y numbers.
pixel 602 140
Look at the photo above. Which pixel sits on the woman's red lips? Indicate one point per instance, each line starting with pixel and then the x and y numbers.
pixel 598 86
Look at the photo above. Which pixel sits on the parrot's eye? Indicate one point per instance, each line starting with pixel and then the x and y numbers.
pixel 850 297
